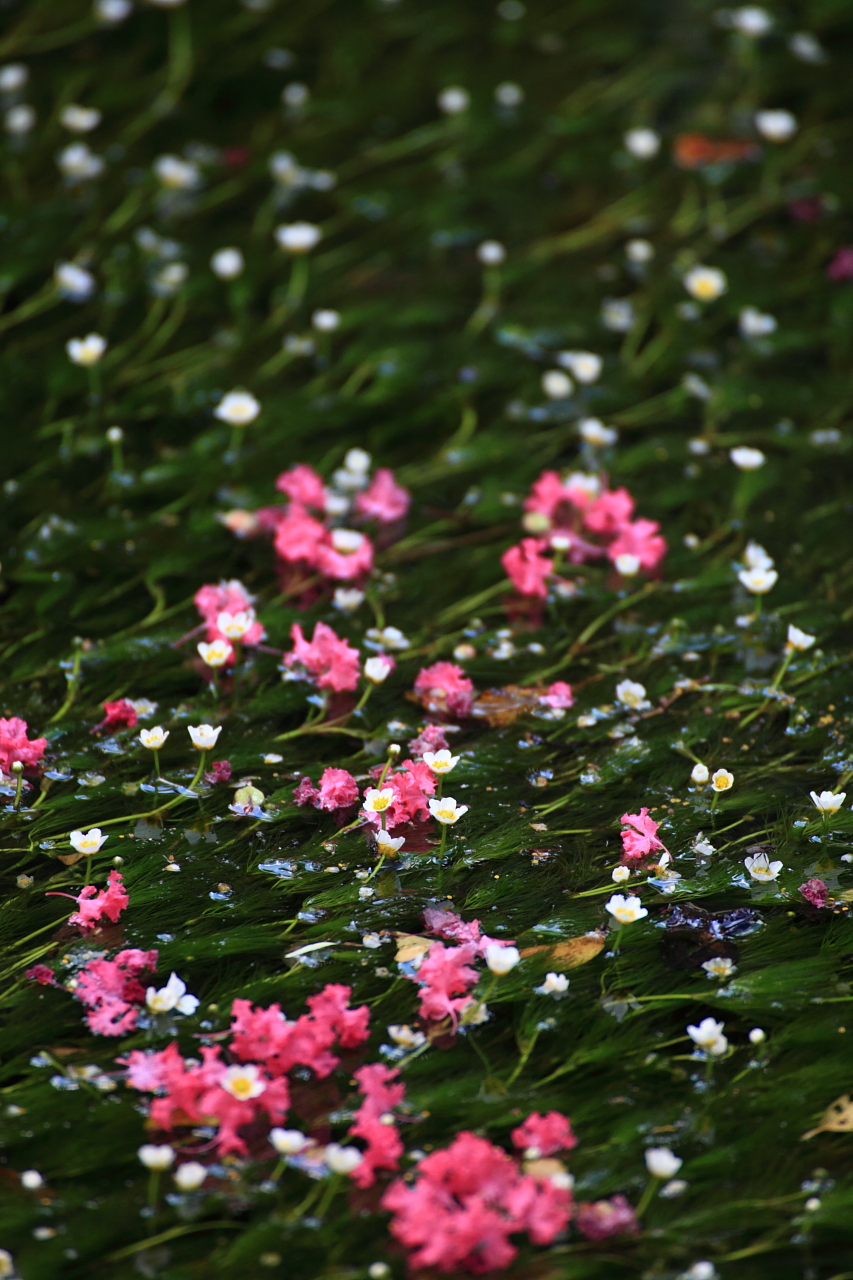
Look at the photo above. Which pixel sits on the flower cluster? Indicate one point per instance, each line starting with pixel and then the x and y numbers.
pixel 15 745
pixel 445 975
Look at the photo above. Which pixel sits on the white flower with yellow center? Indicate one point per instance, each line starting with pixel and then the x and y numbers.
pixel 798 640
pixel 440 761
pixel 215 654
pixel 376 801
pixel 342 1159
pixel 722 780
pixel 79 119
pixel 632 695
pixel 243 1081
pixel 155 1156
pixel 557 385
pixel 620 874
pixel 719 967
pixel 235 625
pixel 203 736
pixel 593 431
pixel 828 801
pixel 190 1176
pixel 298 237
pixel 289 1142
pixel 585 366
pixel 699 774
pixel 555 984
pixel 154 738
pixel 500 958
pixel 446 811
pixel 172 996
pixel 626 564
pixel 404 1036
pixel 86 351
pixel 387 845
pixel 761 868
pixel 746 458
pixel 758 581
pixel 627 910
pixel 237 408
pixel 89 843
pixel 177 174
pixel 705 284
pixel 709 1036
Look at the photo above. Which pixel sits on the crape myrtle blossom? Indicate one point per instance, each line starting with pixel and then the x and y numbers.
pixel 111 991
pixel 602 1219
pixel 117 715
pixel 404 796
pixel 444 689
pixel 338 789
pixel 92 905
pixel 15 745
pixel 326 660
pixel 640 838
pixel 222 600
pixel 815 892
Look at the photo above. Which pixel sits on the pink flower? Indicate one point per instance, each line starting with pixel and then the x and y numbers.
pixel 264 1035
pixel 303 486
pixel 384 1146
pixel 117 714
pixel 430 738
pixel 445 979
pixel 14 744
pixel 93 906
pixel 220 773
pixel 841 267
pixel 815 892
pixel 445 688
pixel 338 790
pixel 306 792
pixel 328 660
pixel 344 565
pixel 604 1218
pixel 298 537
pixel 111 991
pixel 640 539
pixel 42 975
pixel 447 924
pixel 641 838
pixel 544 1134
pixel 384 499
pixel 226 597
pixel 559 696
pixel 609 512
pixel 527 568
pixel 413 783
pixel 548 494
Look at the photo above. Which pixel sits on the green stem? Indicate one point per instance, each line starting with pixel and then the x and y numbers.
pixel 73 683
pixel 522 1061
pixel 363 699
pixel 647 1196
pixel 328 1195
pixel 118 456
pixel 780 674
pixel 18 789
pixel 298 282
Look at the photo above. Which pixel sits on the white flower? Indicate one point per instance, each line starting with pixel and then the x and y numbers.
pixel 709 1036
pixel 73 282
pixel 705 284
pixel 86 351
pixel 376 801
pixel 378 669
pixel 440 761
pixel 828 801
pixel 342 1159
pixel 491 253
pixel 698 387
pixel 722 780
pixel 236 625
pixel 172 996
pixel 625 910
pixel 215 654
pixel 387 638
pixel 79 119
pixel 509 94
pixel 31 1180
pixel 154 738
pixel 699 774
pixel 642 143
pixel 755 557
pixel 806 47
pixel 593 431
pixel 700 1271
pixel 776 126
pixel 189 1176
pixel 719 967
pixel 501 958
pixel 446 811
pixel 13 77
pixel 757 1036
pixel 177 174
pixel 557 385
pixel 347 541
pixel 19 120
pixel 272 757
pixel 746 458
pixel 761 868
pixel 639 251
pixel 237 408
pixel 372 941
pixel 454 100
pixel 797 639
pixel 406 1037
pixel 112 12
pixel 676 1187
pixel 203 736
pixel 325 320
pixel 626 564
pixel 755 22
pixel 632 695
pixel 661 1163
pixel 7 1265
pixel 242 1081
pixel 758 581
pixel 387 844
pixel 555 984
pixel 585 365
pixel 91 842
pixel 617 315
pixel 289 1142
pixel 227 264
pixel 298 237
pixel 620 874
pixel 756 324
pixel 379 1270
pixel 347 599
pixel 167 281
pixel 172 866
pixel 156 1157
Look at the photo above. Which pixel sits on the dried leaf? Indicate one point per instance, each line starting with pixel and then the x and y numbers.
pixel 70 858
pixel 410 946
pixel 502 706
pixel 572 952
pixel 838 1118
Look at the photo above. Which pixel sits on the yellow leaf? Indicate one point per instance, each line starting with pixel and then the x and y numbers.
pixel 572 952
pixel 410 946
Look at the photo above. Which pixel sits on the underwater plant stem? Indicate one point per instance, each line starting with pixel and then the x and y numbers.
pixel 73 678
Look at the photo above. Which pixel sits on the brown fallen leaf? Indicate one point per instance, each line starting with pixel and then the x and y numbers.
pixel 572 952
pixel 410 946
pixel 70 858
pixel 838 1118
pixel 502 706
